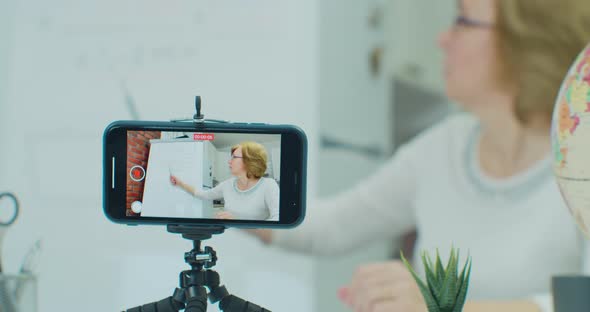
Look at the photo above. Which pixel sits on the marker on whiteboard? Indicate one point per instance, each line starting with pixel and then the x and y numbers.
pixel 170 175
pixel 170 171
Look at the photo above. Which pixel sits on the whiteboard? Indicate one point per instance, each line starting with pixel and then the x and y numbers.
pixel 182 159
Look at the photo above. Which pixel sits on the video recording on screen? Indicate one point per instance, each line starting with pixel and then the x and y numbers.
pixel 176 174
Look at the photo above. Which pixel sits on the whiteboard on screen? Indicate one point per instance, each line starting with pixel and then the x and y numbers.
pixel 183 159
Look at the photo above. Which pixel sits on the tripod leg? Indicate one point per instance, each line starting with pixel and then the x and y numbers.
pixel 196 299
pixel 232 303
pixel 164 305
pixel 227 302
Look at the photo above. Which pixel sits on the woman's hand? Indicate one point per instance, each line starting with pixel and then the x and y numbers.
pixel 178 182
pixel 224 215
pixel 265 235
pixel 187 188
pixel 383 287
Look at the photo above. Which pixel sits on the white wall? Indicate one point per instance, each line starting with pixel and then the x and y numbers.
pixel 6 18
pixel 74 64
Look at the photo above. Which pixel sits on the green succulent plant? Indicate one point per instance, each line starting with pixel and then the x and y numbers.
pixel 445 288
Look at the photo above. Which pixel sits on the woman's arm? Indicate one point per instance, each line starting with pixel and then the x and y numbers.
pixel 179 183
pixel 214 193
pixel 378 207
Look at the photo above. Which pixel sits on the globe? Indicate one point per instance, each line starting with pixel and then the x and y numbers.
pixel 570 138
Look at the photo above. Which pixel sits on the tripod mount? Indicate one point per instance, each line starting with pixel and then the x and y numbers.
pixel 198 117
pixel 192 294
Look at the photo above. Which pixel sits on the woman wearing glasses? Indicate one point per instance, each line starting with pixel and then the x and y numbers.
pixel 479 180
pixel 247 195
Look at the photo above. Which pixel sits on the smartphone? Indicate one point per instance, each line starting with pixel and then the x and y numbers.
pixel 228 174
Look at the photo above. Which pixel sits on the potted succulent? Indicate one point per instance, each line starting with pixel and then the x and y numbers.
pixel 445 288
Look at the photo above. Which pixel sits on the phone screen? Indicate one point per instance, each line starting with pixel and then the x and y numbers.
pixel 203 175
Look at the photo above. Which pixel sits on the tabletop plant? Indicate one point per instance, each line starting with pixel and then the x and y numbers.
pixel 445 288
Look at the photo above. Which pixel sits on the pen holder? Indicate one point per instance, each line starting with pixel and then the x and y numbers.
pixel 18 293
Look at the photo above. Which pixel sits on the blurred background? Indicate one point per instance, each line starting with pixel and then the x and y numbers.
pixel 360 77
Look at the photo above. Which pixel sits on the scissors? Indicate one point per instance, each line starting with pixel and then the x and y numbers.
pixel 8 209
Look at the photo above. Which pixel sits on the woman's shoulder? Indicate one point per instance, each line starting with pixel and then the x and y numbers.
pixel 227 183
pixel 452 126
pixel 452 131
pixel 269 183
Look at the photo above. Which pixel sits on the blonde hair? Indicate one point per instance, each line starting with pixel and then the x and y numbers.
pixel 254 156
pixel 538 41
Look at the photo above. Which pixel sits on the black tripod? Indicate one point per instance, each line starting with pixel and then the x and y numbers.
pixel 192 295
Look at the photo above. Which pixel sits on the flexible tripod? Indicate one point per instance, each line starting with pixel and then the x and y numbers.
pixel 192 294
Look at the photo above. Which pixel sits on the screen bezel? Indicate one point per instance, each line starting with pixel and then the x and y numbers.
pixel 292 183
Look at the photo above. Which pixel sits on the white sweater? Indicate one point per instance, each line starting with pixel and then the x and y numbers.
pixel 517 230
pixel 260 202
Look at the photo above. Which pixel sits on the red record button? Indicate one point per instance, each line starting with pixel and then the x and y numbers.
pixel 137 173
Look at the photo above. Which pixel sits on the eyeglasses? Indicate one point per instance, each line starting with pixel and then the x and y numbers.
pixel 234 157
pixel 469 22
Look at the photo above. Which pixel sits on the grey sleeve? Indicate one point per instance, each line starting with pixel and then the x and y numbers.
pixel 271 199
pixel 378 207
pixel 214 193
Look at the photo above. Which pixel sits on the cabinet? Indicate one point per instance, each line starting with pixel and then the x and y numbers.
pixel 209 160
pixel 411 33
